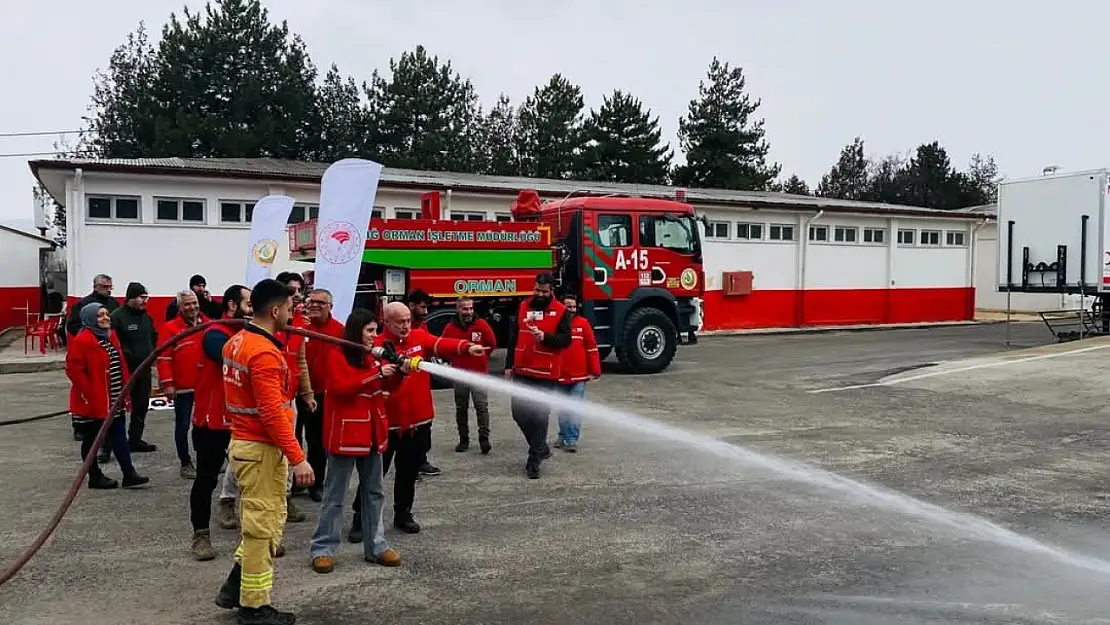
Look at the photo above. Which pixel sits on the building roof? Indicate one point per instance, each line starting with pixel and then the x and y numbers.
pixel 23 233
pixel 277 170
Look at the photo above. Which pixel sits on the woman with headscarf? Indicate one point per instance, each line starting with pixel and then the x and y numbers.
pixel 97 372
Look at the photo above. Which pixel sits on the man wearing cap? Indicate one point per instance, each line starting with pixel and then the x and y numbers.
pixel 137 338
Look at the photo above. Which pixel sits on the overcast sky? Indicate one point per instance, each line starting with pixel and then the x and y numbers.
pixel 1024 81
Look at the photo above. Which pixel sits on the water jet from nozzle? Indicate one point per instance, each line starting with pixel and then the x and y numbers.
pixel 965 524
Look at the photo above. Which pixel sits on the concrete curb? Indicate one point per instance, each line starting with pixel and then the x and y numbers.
pixel 31 366
pixel 859 328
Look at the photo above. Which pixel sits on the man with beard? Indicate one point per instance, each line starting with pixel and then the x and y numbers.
pixel 536 342
pixel 211 427
pixel 466 326
pixel 418 302
pixel 137 337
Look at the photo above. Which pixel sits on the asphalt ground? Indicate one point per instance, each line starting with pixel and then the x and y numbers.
pixel 635 529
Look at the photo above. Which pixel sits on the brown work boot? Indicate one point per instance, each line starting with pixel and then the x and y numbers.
pixel 292 513
pixel 388 557
pixel 226 517
pixel 202 546
pixel 323 564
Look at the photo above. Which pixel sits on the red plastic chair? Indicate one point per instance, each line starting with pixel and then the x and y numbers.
pixel 45 331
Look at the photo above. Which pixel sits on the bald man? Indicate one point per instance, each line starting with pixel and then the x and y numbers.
pixel 410 408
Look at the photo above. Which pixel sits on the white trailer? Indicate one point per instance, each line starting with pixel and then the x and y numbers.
pixel 1053 233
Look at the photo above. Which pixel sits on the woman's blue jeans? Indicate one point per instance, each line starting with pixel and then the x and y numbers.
pixel 570 422
pixel 325 540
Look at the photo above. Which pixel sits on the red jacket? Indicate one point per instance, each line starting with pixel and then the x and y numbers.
pixel 581 360
pixel 293 344
pixel 208 411
pixel 354 415
pixel 410 404
pixel 87 369
pixel 480 332
pixel 316 352
pixel 530 358
pixel 179 367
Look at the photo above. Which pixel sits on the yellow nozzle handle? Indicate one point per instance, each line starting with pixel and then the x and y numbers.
pixel 414 362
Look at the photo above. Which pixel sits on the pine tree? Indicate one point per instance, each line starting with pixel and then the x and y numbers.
pixel 725 146
pixel 847 180
pixel 123 117
pixel 982 179
pixel 429 117
pixel 794 186
pixel 341 119
pixel 623 143
pixel 499 138
pixel 549 130
pixel 931 181
pixel 887 180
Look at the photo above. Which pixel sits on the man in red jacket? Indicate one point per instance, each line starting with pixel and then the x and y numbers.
pixel 178 369
pixel 536 344
pixel 418 302
pixel 410 408
pixel 465 326
pixel 319 319
pixel 581 363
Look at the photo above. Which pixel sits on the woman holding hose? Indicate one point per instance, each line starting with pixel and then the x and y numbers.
pixel 97 373
pixel 355 437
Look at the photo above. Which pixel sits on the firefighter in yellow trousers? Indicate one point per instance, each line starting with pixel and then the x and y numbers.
pixel 257 384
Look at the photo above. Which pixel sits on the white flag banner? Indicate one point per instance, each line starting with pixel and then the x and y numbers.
pixel 267 227
pixel 347 194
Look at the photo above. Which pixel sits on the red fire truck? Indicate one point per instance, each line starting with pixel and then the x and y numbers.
pixel 636 263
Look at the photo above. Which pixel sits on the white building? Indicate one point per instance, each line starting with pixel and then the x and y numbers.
pixel 24 257
pixel 158 221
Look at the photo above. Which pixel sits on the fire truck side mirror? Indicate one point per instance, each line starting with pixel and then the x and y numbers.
pixel 601 276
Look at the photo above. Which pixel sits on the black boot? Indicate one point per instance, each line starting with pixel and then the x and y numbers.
pixel 483 443
pixel 355 535
pixel 532 468
pixel 464 444
pixel 266 615
pixel 402 520
pixel 134 480
pixel 228 597
pixel 99 481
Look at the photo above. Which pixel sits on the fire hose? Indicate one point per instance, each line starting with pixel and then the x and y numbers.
pixel 385 353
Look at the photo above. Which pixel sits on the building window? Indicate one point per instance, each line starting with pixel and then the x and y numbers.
pixel 181 211
pixel 717 230
pixel 109 208
pixel 781 232
pixel 906 237
pixel 502 217
pixel 956 238
pixel 818 233
pixel 459 216
pixel 614 230
pixel 236 212
pixel 749 232
pixel 378 212
pixel 405 213
pixel 930 237
pixel 874 235
pixel 845 234
pixel 303 212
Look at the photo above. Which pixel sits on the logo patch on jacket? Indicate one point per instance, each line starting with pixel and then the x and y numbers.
pixel 415 349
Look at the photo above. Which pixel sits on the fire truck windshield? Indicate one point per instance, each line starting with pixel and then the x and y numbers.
pixel 672 232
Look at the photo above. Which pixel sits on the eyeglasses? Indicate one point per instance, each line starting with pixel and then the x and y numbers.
pixel 317 302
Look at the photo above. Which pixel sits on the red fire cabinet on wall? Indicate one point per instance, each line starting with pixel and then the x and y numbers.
pixel 737 282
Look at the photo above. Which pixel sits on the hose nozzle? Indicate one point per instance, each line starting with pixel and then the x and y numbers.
pixel 414 363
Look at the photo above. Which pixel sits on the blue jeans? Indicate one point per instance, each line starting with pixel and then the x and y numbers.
pixel 571 422
pixel 182 419
pixel 325 540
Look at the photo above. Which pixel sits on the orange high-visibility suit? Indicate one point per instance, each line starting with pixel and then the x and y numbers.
pixel 257 397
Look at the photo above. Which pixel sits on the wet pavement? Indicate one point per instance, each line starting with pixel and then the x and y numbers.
pixel 638 530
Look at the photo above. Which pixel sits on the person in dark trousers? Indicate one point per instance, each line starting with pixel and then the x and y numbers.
pixel 211 425
pixel 318 319
pixel 418 302
pixel 534 354
pixel 137 337
pixel 97 373
pixel 208 307
pixel 101 294
pixel 467 326
pixel 178 369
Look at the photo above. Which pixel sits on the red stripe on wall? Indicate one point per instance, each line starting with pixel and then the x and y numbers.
pixel 788 308
pixel 13 303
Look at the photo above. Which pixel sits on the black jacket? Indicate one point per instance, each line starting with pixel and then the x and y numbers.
pixel 560 339
pixel 137 336
pixel 73 323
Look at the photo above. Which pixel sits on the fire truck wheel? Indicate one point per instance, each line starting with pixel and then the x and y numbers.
pixel 648 341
